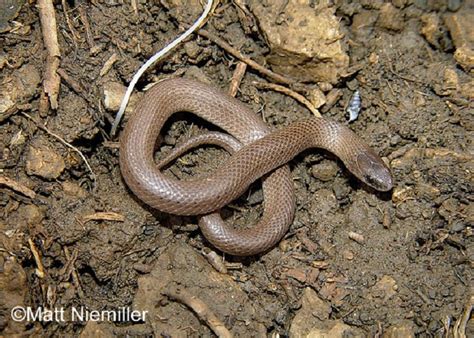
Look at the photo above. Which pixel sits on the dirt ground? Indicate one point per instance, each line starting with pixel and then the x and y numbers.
pixel 355 262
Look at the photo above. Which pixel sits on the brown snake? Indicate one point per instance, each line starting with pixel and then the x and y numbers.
pixel 262 152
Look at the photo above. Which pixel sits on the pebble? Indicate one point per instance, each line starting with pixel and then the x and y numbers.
pixel 390 17
pixel 44 162
pixel 324 171
pixel 402 330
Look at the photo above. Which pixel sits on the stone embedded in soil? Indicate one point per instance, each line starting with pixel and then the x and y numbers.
pixel 17 89
pixel 182 265
pixel 386 287
pixel 113 93
pixel 13 292
pixel 30 214
pixel 74 190
pixel 465 57
pixel 363 23
pixel 305 41
pixel 316 97
pixel 324 171
pixel 461 28
pixel 44 162
pixel 434 32
pixel 312 320
pixel 449 85
pixel 401 330
pixel 322 202
pixel 390 17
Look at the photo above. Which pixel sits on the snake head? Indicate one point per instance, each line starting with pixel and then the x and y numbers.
pixel 370 168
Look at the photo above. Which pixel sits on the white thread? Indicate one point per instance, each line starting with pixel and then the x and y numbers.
pixel 152 60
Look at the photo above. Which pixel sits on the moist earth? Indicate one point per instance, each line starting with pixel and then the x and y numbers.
pixel 354 262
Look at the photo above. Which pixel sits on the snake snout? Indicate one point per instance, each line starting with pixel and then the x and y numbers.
pixel 373 171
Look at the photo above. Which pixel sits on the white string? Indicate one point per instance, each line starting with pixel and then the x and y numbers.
pixel 152 60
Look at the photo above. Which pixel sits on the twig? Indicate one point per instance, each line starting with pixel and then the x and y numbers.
pixel 103 216
pixel 74 84
pixel 153 59
pixel 87 26
pixel 75 37
pixel 231 50
pixel 215 260
pixel 237 78
pixel 40 268
pixel 134 7
pixel 63 141
pixel 75 276
pixel 459 330
pixel 298 97
pixel 50 36
pixel 17 187
pixel 108 64
pixel 200 308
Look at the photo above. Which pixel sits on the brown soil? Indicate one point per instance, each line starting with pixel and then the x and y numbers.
pixel 411 272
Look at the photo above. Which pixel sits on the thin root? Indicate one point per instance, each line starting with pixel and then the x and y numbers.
pixel 200 308
pixel 67 144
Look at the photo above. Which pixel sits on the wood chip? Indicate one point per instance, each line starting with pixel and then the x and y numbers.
pixel 104 216
pixel 17 187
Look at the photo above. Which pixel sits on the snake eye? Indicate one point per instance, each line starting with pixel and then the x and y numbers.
pixel 373 171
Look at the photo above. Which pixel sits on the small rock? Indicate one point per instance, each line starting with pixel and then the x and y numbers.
pixel 316 97
pixel 457 226
pixel 449 209
pixel 17 89
pixel 431 28
pixel 401 194
pixel 31 215
pixel 390 17
pixel 197 73
pixel 74 190
pixel 324 171
pixel 44 162
pixel 460 28
pixel 399 3
pixel 325 86
pixel 402 330
pixel 192 49
pixel 323 202
pixel 386 287
pixel 313 311
pixel 305 40
pixel 454 5
pixel 465 57
pixel 13 293
pixel 8 11
pixel 17 139
pixel 427 191
pixel 467 90
pixel 296 273
pixel 363 23
pixel 450 82
pixel 113 93
pixel 348 254
pixel 341 190
pixel 338 330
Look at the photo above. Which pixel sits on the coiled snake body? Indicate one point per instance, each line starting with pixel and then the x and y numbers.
pixel 262 151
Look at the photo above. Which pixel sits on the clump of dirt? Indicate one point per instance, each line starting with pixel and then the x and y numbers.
pixel 355 261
